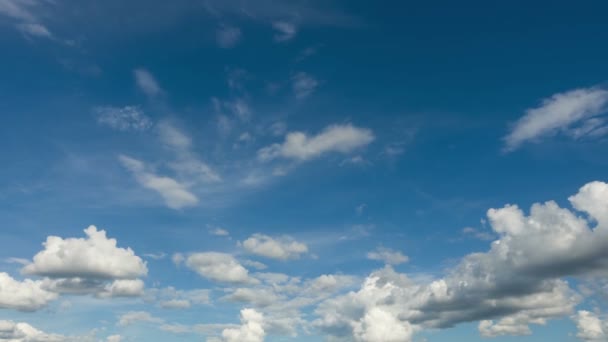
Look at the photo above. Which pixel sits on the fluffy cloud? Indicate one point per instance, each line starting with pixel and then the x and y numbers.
pixel 281 249
pixel 175 194
pixel 147 83
pixel 388 256
pixel 114 338
pixel 228 36
pixel 571 112
pixel 303 85
pixel 335 138
pixel 590 327
pixel 93 257
pixel 251 329
pixel 285 31
pixel 123 119
pixel 27 295
pixel 22 332
pixel 507 288
pixel 218 267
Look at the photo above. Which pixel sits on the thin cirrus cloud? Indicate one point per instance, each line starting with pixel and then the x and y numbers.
pixel 285 31
pixel 575 113
pixel 26 17
pixel 513 285
pixel 127 118
pixel 335 138
pixel 147 83
pixel 228 36
pixel 303 85
pixel 175 194
pixel 388 256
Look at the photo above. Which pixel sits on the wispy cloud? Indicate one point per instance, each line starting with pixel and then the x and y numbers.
pixel 123 118
pixel 303 85
pixel 335 138
pixel 175 194
pixel 147 83
pixel 228 36
pixel 573 112
pixel 285 31
pixel 24 13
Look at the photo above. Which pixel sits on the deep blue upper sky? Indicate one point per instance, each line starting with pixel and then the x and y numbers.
pixel 324 139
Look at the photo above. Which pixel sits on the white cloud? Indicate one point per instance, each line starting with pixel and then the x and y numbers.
pixel 114 338
pixel 251 329
pixel 23 332
pixel 303 85
pixel 228 36
pixel 175 194
pixel 128 118
pixel 35 30
pixel 218 267
pixel 147 83
pixel 133 317
pixel 217 231
pixel 94 257
pixel 123 288
pixel 176 304
pixel 285 31
pixel 590 327
pixel 335 138
pixel 27 295
pixel 508 288
pixel 388 256
pixel 282 248
pixel 560 113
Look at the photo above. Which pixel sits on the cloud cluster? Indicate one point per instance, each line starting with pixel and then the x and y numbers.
pixel 128 118
pixel 507 288
pixel 388 256
pixel 281 249
pixel 590 327
pixel 335 138
pixel 575 113
pixel 251 329
pixel 27 295
pixel 220 267
pixel 23 332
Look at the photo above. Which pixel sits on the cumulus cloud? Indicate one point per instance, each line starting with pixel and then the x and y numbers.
pixel 281 249
pixel 590 327
pixel 114 338
pixel 228 36
pixel 95 256
pixel 388 256
pixel 147 83
pixel 23 332
pixel 128 118
pixel 335 138
pixel 251 329
pixel 508 288
pixel 175 194
pixel 285 31
pixel 303 85
pixel 572 112
pixel 220 267
pixel 27 295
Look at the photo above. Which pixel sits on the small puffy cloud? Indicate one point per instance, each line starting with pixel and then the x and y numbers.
pixel 175 304
pixel 133 317
pixel 285 31
pixel 259 297
pixel 388 256
pixel 95 256
pixel 228 36
pixel 281 249
pixel 220 267
pixel 114 338
pixel 217 231
pixel 123 288
pixel 251 329
pixel 147 83
pixel 255 264
pixel 128 118
pixel 572 112
pixel 335 138
pixel 590 327
pixel 303 85
pixel 27 295
pixel 23 332
pixel 175 194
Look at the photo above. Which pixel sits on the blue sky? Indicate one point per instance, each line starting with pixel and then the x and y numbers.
pixel 295 170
